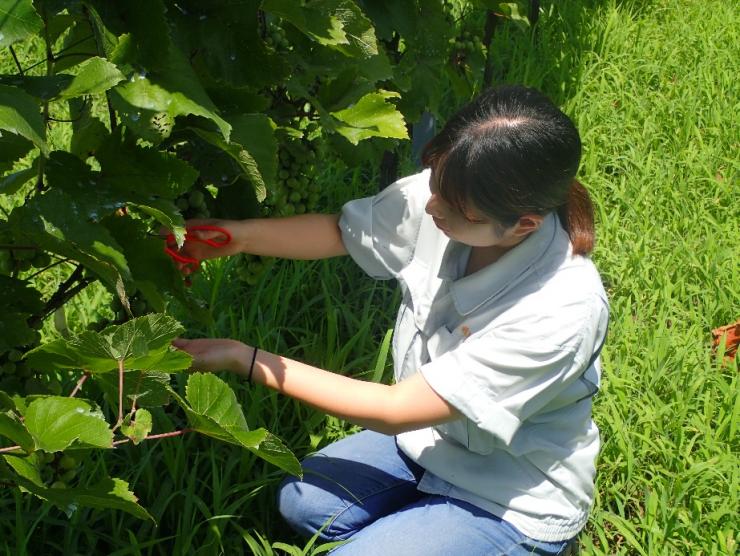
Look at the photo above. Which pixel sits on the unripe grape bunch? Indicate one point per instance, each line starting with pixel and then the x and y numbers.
pixel 465 45
pixel 193 203
pixel 295 191
pixel 58 469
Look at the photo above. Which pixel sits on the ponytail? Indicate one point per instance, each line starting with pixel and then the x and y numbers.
pixel 577 217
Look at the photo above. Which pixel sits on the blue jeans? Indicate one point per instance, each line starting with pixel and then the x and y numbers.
pixel 363 488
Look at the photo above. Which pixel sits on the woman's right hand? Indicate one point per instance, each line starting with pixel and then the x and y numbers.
pixel 195 246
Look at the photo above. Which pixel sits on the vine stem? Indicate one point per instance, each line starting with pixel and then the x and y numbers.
pixel 10 449
pixel 156 436
pixel 120 392
pixel 79 384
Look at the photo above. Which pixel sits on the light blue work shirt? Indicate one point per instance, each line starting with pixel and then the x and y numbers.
pixel 514 347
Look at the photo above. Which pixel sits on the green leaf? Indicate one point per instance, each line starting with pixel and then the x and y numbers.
pixel 242 157
pixel 18 21
pixel 12 147
pixel 256 133
pixel 138 428
pixel 213 410
pixel 43 87
pixel 11 183
pixel 176 91
pixel 154 172
pixel 211 397
pixel 155 276
pixel 315 20
pixel 273 449
pixel 223 39
pixel 13 428
pixel 372 116
pixel 19 301
pixel 56 423
pixel 108 494
pixel 147 38
pixel 20 114
pixel 145 388
pixel 143 343
pixel 96 75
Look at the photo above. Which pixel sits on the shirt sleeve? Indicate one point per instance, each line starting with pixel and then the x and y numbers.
pixel 502 378
pixel 380 232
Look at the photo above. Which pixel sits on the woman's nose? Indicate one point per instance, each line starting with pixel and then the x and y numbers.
pixel 433 206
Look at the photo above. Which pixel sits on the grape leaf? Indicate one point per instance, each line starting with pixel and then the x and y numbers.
pixel 11 183
pixel 256 133
pixel 142 343
pixel 110 493
pixel 20 295
pixel 224 40
pixel 316 20
pixel 175 91
pixel 138 428
pixel 95 76
pixel 56 423
pixel 18 21
pixel 44 87
pixel 124 163
pixel 371 116
pixel 213 410
pixel 146 388
pixel 12 427
pixel 20 114
pixel 12 147
pixel 242 157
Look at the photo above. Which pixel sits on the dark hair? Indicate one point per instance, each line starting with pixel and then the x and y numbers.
pixel 509 152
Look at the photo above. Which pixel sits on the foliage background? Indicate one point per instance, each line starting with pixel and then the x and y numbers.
pixel 651 87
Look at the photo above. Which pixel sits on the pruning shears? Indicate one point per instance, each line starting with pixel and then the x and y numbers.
pixel 191 264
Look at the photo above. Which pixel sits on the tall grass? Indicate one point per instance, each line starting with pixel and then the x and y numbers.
pixel 653 89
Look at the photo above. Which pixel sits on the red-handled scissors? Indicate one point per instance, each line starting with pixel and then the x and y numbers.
pixel 191 263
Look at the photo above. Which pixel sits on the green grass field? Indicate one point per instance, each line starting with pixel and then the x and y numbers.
pixel 653 89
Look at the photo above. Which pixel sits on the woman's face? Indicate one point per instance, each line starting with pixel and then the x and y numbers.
pixel 470 228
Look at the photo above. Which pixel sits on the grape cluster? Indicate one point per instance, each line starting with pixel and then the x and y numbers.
pixel 58 469
pixel 139 307
pixel 277 39
pixel 22 260
pixel 252 267
pixel 193 203
pixel 295 192
pixel 17 376
pixel 465 45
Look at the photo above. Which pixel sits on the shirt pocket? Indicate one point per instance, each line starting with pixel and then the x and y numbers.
pixel 463 432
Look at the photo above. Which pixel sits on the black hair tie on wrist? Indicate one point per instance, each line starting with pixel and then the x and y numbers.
pixel 251 367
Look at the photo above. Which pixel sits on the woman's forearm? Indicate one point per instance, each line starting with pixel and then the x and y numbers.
pixel 408 405
pixel 306 237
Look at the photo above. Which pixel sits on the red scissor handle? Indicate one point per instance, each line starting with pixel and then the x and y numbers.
pixel 192 263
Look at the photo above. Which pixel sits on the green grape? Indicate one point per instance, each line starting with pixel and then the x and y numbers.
pixel 8 368
pixel 23 265
pixel 41 260
pixel 6 262
pixel 68 462
pixel 46 457
pixel 58 484
pixel 15 355
pixel 182 204
pixel 294 197
pixel 300 208
pixel 68 475
pixel 196 198
pixel 22 370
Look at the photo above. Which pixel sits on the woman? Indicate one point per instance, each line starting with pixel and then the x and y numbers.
pixel 485 443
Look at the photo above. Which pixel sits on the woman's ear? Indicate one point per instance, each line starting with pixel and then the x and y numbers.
pixel 527 224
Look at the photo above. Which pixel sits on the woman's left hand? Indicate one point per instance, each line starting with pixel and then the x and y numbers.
pixel 215 354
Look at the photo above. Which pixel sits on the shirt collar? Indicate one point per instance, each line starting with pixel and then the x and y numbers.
pixel 470 292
